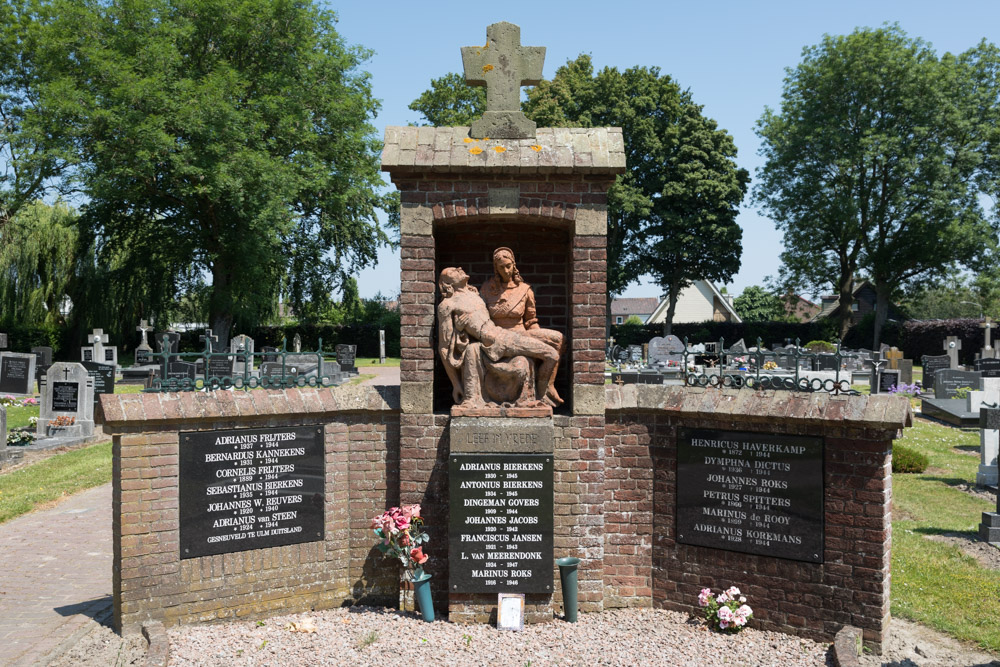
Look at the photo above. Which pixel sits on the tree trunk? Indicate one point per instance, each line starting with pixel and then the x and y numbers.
pixel 220 312
pixel 668 321
pixel 881 312
pixel 846 295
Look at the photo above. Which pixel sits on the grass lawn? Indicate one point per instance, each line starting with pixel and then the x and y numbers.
pixel 64 474
pixel 932 582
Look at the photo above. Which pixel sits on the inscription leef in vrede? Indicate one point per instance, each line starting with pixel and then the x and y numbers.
pixel 756 493
pixel 500 526
pixel 250 489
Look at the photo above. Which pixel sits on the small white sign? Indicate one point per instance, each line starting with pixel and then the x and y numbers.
pixel 510 611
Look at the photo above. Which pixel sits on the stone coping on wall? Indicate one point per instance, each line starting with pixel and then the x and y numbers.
pixel 881 411
pixel 118 412
pixel 594 150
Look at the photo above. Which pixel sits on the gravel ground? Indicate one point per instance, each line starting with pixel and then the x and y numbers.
pixel 372 636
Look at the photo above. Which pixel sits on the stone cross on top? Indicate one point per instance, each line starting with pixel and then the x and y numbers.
pixel 503 66
pixel 952 344
pixel 209 340
pixel 893 356
pixel 144 328
pixel 97 336
pixel 986 326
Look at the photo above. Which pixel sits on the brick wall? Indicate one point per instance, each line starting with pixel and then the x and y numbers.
pixel 361 436
pixel 642 558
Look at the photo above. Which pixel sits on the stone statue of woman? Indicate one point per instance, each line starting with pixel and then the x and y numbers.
pixel 511 304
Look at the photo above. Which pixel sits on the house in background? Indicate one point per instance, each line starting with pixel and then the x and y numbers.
pixel 624 308
pixel 700 302
pixel 802 309
pixel 863 303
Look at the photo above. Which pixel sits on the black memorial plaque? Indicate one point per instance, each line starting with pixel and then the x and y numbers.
pixel 755 493
pixel 932 364
pixel 250 489
pixel 346 356
pixel 181 370
pixel 88 355
pixel 143 357
pixel 988 368
pixel 65 396
pixel 104 378
pixel 14 376
pixel 500 527
pixel 109 355
pixel 220 366
pixel 887 380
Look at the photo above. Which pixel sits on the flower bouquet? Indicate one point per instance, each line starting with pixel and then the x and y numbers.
pixel 401 534
pixel 726 612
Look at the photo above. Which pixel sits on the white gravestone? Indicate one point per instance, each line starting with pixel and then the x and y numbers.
pixel 243 345
pixel 989 438
pixel 67 391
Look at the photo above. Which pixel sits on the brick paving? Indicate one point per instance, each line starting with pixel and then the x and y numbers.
pixel 56 577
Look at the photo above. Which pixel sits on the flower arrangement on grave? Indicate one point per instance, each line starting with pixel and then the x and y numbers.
pixel 770 366
pixel 31 400
pixel 726 612
pixel 20 437
pixel 911 390
pixel 62 420
pixel 401 534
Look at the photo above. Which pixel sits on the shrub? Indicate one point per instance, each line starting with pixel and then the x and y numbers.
pixel 906 460
pixel 820 346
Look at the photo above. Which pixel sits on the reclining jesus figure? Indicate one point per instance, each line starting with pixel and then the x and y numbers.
pixel 486 363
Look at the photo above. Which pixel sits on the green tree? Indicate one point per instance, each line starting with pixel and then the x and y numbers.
pixel 228 138
pixel 756 304
pixel 37 264
pixel 673 213
pixel 450 102
pixel 870 165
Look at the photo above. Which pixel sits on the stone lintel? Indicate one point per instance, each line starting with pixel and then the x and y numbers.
pixel 501 435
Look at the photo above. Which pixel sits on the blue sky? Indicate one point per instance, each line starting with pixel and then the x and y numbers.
pixel 731 55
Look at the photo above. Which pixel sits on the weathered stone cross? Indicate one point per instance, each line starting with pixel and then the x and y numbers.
pixel 144 328
pixel 98 336
pixel 209 340
pixel 503 66
pixel 893 356
pixel 986 326
pixel 952 344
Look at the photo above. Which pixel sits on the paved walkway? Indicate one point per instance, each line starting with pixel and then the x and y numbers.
pixel 55 577
pixel 383 374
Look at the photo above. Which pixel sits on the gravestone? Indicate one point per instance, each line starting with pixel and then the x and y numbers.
pixel 3 341
pixel 221 366
pixel 211 341
pixel 635 354
pixel 173 342
pixel 181 370
pixel 43 359
pixel 296 343
pixel 826 362
pixel 877 365
pixel 988 367
pixel 666 351
pixel 988 352
pixel 883 351
pixel 97 340
pixel 243 345
pixel 887 379
pixel 952 345
pixel 739 347
pixel 905 371
pixel 270 354
pixel 104 377
pixel 143 353
pixel 17 373
pixel 111 355
pixel 67 391
pixel 381 346
pixel 345 357
pixel 948 381
pixel 784 357
pixel 893 356
pixel 931 364
pixel 989 445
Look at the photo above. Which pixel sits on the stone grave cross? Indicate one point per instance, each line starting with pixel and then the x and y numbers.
pixel 98 338
pixel 3 341
pixel 209 340
pixel 144 329
pixel 987 352
pixel 503 66
pixel 893 356
pixel 952 344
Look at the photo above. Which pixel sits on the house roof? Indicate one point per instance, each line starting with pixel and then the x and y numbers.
pixel 661 308
pixel 634 305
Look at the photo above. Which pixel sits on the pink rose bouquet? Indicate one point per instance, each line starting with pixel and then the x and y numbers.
pixel 401 532
pixel 726 612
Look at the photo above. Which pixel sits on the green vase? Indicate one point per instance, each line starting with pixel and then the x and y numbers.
pixel 567 575
pixel 422 592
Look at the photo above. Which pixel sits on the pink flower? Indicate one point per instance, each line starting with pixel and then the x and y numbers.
pixel 722 598
pixel 412 511
pixel 745 612
pixel 733 592
pixel 418 556
pixel 725 614
pixel 704 596
pixel 402 521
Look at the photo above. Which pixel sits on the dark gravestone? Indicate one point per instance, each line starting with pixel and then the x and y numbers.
pixel 619 354
pixel 143 357
pixel 826 362
pixel 931 364
pixel 989 418
pixel 887 379
pixel 270 354
pixel 221 366
pixel 755 493
pixel 635 353
pixel 173 338
pixel 109 355
pixel 43 356
pixel 668 351
pixel 647 376
pixel 65 396
pixel 626 377
pixel 104 378
pixel 988 368
pixel 345 357
pixel 948 381
pixel 17 373
pixel 250 489
pixel 500 523
pixel 180 370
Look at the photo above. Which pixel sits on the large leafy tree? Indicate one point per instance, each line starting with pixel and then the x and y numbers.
pixel 450 102
pixel 755 304
pixel 230 138
pixel 672 214
pixel 871 164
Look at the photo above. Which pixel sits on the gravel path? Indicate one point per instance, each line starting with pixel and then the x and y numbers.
pixel 372 636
